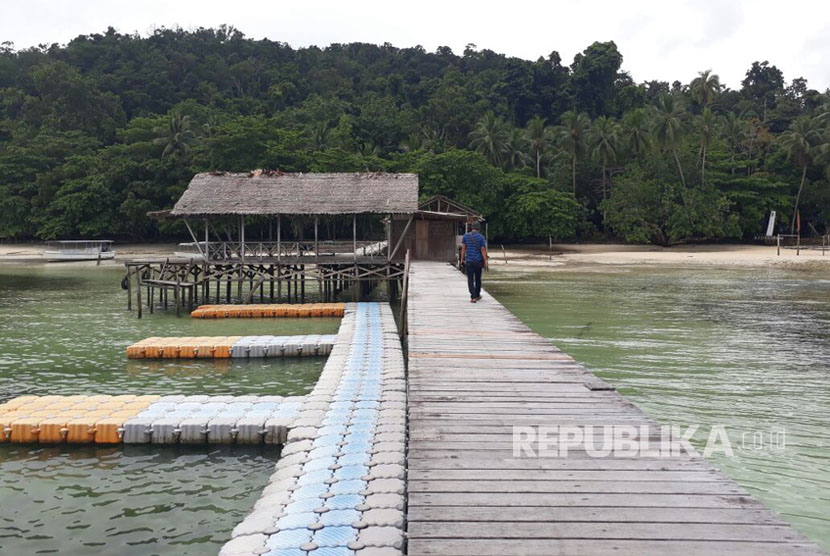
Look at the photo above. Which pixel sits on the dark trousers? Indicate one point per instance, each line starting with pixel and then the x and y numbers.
pixel 474 278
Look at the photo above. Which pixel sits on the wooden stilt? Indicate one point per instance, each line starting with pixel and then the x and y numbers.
pixel 138 290
pixel 129 290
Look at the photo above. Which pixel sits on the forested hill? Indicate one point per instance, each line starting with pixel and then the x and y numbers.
pixel 96 133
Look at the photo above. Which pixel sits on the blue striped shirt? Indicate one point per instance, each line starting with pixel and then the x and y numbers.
pixel 474 242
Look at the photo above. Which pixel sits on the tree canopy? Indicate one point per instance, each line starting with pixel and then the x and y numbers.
pixel 97 132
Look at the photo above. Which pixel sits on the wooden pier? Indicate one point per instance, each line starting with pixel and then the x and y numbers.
pixel 475 372
pixel 184 283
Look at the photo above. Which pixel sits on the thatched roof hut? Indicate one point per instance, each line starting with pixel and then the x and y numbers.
pixel 261 192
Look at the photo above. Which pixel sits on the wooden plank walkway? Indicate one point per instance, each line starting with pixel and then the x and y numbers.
pixel 475 371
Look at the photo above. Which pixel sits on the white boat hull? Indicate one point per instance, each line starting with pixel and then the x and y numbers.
pixel 63 256
pixel 185 255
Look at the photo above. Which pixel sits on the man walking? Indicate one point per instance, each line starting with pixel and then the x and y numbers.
pixel 474 255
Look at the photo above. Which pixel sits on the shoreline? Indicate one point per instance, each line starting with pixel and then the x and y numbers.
pixel 609 256
pixel 536 257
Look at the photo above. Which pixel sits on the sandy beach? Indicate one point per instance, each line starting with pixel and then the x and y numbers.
pixel 602 255
pixel 536 257
pixel 30 252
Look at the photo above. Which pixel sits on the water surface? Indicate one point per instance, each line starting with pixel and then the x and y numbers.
pixel 748 349
pixel 64 330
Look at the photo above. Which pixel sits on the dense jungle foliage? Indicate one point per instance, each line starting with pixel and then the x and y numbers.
pixel 97 132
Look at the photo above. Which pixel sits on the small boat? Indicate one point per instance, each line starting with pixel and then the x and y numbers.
pixel 190 250
pixel 78 250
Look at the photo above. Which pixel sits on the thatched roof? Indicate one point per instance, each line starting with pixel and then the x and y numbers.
pixel 280 193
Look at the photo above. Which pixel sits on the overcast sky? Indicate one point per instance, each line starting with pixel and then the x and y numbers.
pixel 658 39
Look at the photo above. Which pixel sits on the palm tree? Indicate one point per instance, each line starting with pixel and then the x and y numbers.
pixel 705 88
pixel 733 130
pixel 175 136
pixel 368 149
pixel 489 137
pixel 604 142
pixel 636 132
pixel 706 126
pixel 539 138
pixel 433 138
pixel 320 135
pixel 514 149
pixel 667 127
pixel 799 141
pixel 571 137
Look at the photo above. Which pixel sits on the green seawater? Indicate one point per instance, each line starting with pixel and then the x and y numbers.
pixel 64 330
pixel 748 349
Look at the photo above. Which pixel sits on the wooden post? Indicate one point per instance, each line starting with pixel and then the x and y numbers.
pixel 138 289
pixel 228 279
pixel 205 282
pixel 242 256
pixel 317 257
pixel 404 297
pixel 778 243
pixel 279 256
pixel 316 250
pixel 389 237
pixel 354 236
pixel 129 289
pixel 176 295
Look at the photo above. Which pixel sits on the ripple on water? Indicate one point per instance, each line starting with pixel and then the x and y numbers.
pixel 64 329
pixel 173 500
pixel 748 349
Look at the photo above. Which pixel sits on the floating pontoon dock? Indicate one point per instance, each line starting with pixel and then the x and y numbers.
pixel 339 483
pixel 244 347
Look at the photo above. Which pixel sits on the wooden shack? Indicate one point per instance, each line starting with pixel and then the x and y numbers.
pixel 434 231
pixel 332 232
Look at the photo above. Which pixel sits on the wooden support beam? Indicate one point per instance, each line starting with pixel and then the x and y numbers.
pixel 389 237
pixel 403 235
pixel 192 235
